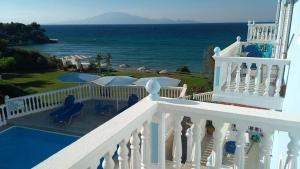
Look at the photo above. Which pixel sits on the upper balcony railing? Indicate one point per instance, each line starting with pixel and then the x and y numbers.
pixel 262 32
pixel 25 105
pixel 248 80
pixel 130 141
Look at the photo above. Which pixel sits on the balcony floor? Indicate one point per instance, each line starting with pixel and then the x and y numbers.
pixel 85 122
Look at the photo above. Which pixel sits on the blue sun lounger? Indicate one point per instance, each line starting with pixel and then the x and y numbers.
pixel 131 101
pixel 69 103
pixel 66 117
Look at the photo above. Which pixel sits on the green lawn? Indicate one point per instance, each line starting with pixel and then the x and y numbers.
pixel 194 82
pixel 35 82
pixel 26 83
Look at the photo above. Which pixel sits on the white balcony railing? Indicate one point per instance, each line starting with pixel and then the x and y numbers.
pixel 25 105
pixel 250 81
pixel 262 32
pixel 131 132
pixel 203 97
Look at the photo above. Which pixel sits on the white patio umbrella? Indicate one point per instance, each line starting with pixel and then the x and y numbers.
pixel 114 81
pixel 163 81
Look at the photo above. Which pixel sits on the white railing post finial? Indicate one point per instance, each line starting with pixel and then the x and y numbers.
pixel 153 88
pixel 217 51
pixel 238 39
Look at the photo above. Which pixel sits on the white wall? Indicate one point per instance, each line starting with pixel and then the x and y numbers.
pixel 291 101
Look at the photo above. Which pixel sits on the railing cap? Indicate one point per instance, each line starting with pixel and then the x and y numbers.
pixel 217 51
pixel 153 87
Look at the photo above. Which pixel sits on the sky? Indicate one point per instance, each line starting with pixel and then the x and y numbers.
pixel 55 11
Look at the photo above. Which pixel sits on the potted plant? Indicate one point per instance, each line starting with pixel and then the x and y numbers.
pixel 209 127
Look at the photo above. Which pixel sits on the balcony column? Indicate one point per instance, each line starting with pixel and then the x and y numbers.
pixel 123 155
pixel 135 150
pixel 228 79
pixel 108 162
pixel 189 137
pixel 268 79
pixel 250 31
pixel 239 160
pixel 248 77
pixel 257 79
pixel 238 78
pixel 279 80
pixel 177 144
pixel 145 151
pixel 266 146
pixel 216 157
pixel 293 151
pixel 199 133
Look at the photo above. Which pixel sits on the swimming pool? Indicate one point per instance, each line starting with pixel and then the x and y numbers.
pixel 23 148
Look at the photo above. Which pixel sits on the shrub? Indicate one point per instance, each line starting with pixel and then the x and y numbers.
pixel 183 69
pixel 7 64
pixel 3 45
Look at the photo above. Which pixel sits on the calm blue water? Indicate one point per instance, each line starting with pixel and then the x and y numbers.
pixel 154 46
pixel 23 148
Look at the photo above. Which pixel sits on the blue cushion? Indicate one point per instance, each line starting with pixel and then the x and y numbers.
pixel 252 51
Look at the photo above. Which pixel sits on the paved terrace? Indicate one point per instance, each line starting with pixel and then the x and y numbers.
pixel 80 125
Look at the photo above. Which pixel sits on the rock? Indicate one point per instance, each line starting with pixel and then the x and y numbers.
pixel 124 66
pixel 143 68
pixel 163 72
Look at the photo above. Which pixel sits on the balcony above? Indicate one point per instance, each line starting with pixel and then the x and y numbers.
pixel 262 32
pixel 250 81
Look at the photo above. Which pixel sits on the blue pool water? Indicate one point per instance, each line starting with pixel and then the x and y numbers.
pixel 23 148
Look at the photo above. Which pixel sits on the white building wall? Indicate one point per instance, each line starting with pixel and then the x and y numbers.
pixel 291 101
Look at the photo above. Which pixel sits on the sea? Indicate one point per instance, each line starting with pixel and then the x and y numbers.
pixel 153 46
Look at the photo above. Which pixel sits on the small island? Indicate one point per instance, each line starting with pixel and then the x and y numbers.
pixel 17 34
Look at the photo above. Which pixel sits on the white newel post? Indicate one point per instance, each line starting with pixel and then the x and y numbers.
pixel 145 150
pixel 123 155
pixel 135 151
pixel 239 160
pixel 177 144
pixel 197 140
pixel 293 151
pixel 217 74
pixel 6 100
pixel 266 146
pixel 108 162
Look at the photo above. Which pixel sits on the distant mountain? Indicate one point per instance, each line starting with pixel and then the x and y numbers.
pixel 124 18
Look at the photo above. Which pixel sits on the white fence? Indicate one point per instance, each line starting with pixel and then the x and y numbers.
pixel 21 106
pixel 265 33
pixel 203 97
pixel 132 127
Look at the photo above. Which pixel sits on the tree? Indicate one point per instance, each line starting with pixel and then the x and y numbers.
pixel 99 58
pixel 208 64
pixel 183 69
pixel 3 45
pixel 108 61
